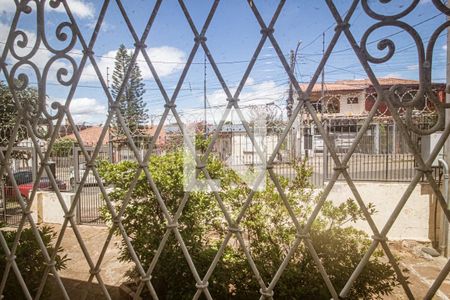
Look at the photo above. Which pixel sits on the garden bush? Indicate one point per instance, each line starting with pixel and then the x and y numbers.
pixel 62 147
pixel 267 228
pixel 30 261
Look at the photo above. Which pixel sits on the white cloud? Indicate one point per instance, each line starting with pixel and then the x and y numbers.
pixel 250 80
pixel 105 27
pixel 79 8
pixel 443 53
pixel 86 105
pixel 40 58
pixel 40 55
pixel 412 67
pixel 88 110
pixel 4 31
pixel 254 94
pixel 392 75
pixel 7 6
pixel 166 61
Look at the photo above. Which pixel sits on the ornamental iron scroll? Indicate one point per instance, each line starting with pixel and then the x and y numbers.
pixel 43 123
pixel 18 41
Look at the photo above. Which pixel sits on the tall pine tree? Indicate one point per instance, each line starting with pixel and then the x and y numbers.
pixel 131 103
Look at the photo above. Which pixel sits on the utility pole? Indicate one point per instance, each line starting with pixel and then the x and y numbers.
pixel 290 104
pixel 290 100
pixel 107 77
pixel 110 147
pixel 204 95
pixel 323 109
pixel 323 73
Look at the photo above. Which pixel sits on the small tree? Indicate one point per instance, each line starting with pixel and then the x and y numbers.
pixel 146 222
pixel 62 147
pixel 30 260
pixel 131 103
pixel 9 113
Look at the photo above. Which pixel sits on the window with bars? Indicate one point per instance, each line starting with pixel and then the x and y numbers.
pixel 68 52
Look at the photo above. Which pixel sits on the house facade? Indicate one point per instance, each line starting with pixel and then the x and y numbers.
pixel 118 147
pixel 235 147
pixel 344 108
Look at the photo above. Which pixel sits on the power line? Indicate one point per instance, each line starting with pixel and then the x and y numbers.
pixel 323 32
pixel 269 57
pixel 385 37
pixel 406 48
pixel 211 87
pixel 231 62
pixel 336 68
pixel 78 52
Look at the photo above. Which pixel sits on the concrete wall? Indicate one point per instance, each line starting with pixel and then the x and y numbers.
pixel 355 108
pixel 412 223
pixel 243 151
pixel 47 209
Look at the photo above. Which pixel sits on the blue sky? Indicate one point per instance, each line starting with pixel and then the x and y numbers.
pixel 232 38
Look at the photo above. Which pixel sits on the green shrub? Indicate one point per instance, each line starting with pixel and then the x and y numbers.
pixel 62 147
pixel 267 229
pixel 30 261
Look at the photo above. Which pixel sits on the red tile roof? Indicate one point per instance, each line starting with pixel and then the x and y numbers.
pixel 91 135
pixel 358 84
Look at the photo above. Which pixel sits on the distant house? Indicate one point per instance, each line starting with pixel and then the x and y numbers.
pixel 90 135
pixel 122 151
pixel 172 129
pixel 142 139
pixel 119 146
pixel 174 137
pixel 345 106
pixel 235 146
pixel 67 129
pixel 357 97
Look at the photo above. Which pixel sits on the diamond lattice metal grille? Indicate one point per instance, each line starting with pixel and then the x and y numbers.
pixel 12 61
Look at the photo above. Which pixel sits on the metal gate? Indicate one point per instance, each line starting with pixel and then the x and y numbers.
pixel 22 166
pixel 91 199
pixel 70 34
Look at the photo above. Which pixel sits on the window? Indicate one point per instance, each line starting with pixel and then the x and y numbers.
pixel 352 100
pixel 332 105
pixel 317 106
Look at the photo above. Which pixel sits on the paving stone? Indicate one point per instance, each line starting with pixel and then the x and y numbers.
pixel 421 272
pixel 431 251
pixel 76 274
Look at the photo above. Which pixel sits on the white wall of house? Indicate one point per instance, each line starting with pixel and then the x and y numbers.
pixel 243 151
pixel 412 223
pixel 223 146
pixel 271 142
pixel 349 108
